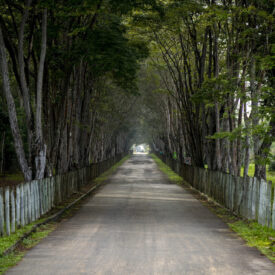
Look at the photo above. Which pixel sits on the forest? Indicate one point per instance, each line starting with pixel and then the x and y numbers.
pixel 83 80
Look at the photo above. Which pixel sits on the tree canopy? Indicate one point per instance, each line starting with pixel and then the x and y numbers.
pixel 84 80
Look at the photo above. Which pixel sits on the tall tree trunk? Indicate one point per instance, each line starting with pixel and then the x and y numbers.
pixel 247 143
pixel 19 148
pixel 217 109
pixel 254 106
pixel 23 81
pixel 40 156
pixel 225 147
pixel 239 140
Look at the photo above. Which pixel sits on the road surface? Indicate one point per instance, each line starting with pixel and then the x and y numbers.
pixel 140 223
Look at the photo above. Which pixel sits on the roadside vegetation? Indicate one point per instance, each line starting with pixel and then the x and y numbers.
pixel 14 257
pixel 175 178
pixel 103 177
pixel 270 175
pixel 8 241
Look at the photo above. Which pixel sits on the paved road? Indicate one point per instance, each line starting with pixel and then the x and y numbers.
pixel 141 224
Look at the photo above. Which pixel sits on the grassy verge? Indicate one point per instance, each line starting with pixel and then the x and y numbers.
pixel 253 233
pixel 256 235
pixel 8 241
pixel 5 242
pixel 104 176
pixel 11 259
pixel 167 170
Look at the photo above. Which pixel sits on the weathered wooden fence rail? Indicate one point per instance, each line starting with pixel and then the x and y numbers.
pixel 248 197
pixel 27 202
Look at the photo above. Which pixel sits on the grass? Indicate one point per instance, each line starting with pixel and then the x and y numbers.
pixel 255 235
pixel 8 241
pixel 43 231
pixel 11 259
pixel 37 236
pixel 167 170
pixel 104 176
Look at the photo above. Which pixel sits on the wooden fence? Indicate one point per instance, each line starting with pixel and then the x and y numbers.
pixel 250 198
pixel 27 202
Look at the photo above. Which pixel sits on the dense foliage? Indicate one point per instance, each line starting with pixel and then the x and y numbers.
pixel 205 91
pixel 212 64
pixel 69 72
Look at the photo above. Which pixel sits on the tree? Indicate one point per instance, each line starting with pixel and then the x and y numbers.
pixel 59 55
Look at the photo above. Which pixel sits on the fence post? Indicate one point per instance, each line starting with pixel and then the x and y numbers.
pixel 37 200
pixel 39 197
pixel 7 209
pixel 22 212
pixel 44 195
pixel 2 221
pixel 264 202
pixel 269 204
pixel 33 194
pixel 26 204
pixel 230 192
pixel 249 197
pixel 29 202
pixel 12 211
pixel 18 206
pixel 34 200
pixel 52 191
pixel 48 194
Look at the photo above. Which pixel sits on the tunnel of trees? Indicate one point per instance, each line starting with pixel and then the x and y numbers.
pixel 82 80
